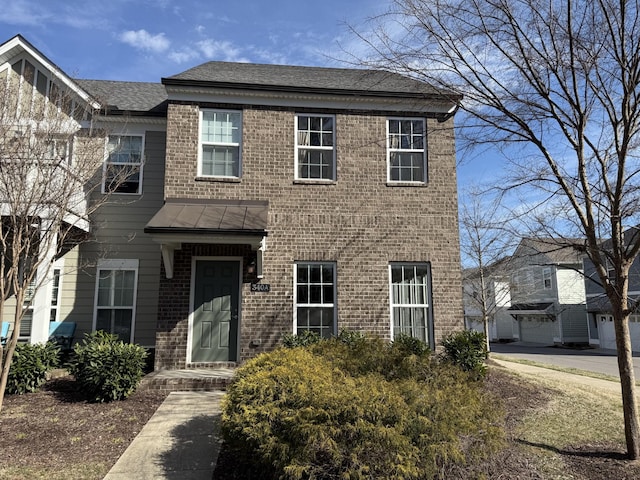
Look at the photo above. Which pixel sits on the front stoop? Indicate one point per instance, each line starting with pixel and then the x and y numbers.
pixel 188 380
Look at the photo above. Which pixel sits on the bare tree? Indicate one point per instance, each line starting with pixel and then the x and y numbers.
pixel 485 246
pixel 51 163
pixel 560 82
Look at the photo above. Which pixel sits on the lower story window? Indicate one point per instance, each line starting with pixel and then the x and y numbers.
pixel 315 298
pixel 116 297
pixel 410 293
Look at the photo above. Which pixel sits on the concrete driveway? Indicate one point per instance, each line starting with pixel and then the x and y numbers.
pixel 593 360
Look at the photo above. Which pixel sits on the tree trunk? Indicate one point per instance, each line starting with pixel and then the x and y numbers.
pixel 486 334
pixel 628 385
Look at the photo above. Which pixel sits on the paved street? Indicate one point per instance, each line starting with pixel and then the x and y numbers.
pixel 594 360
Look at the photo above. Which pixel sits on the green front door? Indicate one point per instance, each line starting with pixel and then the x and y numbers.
pixel 215 316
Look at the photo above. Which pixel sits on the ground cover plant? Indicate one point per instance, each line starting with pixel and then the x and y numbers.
pixel 354 407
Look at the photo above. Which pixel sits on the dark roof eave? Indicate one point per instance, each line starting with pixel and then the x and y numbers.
pixel 133 113
pixel 205 231
pixel 451 97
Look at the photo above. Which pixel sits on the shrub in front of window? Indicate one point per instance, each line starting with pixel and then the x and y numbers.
pixel 30 366
pixel 106 368
pixel 468 350
pixel 302 339
pixel 317 413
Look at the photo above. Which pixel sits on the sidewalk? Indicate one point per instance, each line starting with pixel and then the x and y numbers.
pixel 180 441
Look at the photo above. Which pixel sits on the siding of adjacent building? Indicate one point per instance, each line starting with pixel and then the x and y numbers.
pixel 118 227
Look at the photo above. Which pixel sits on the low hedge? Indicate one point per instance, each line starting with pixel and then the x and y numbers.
pixel 106 368
pixel 356 410
pixel 30 365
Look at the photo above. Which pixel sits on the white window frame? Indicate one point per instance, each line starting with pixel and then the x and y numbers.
pixel 546 276
pixel 50 87
pixel 333 304
pixel 56 291
pixel 59 150
pixel 322 148
pixel 202 144
pixel 392 149
pixel 117 265
pixel 139 164
pixel 427 307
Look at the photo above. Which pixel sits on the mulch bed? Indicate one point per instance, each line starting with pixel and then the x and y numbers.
pixel 58 426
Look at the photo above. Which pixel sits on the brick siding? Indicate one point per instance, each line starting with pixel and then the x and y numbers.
pixel 358 221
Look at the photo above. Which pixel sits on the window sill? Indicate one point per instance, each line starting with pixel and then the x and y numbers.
pixel 406 184
pixel 219 179
pixel 301 181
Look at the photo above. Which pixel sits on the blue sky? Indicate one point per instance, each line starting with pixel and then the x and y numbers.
pixel 145 40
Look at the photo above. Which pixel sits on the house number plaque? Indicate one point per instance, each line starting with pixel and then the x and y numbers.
pixel 260 287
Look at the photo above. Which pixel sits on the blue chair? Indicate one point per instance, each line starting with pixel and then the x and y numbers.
pixel 62 333
pixel 4 333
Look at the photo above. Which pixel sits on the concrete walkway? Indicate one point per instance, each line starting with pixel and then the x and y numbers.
pixel 180 441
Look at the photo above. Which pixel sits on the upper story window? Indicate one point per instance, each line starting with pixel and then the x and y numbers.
pixel 123 166
pixel 35 91
pixel 406 153
pixel 546 278
pixel 58 150
pixel 220 143
pixel 315 147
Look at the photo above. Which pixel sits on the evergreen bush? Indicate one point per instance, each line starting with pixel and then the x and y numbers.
pixel 106 368
pixel 30 365
pixel 339 410
pixel 468 350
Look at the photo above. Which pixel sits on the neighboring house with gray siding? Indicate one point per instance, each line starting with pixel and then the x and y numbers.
pixel 599 312
pixel 270 199
pixel 547 293
pixel 133 118
pixel 494 302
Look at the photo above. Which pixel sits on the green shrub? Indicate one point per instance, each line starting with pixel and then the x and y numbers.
pixel 302 339
pixel 407 345
pixel 468 350
pixel 317 413
pixel 30 365
pixel 107 368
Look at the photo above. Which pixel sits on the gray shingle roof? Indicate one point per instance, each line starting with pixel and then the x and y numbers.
pixel 555 249
pixel 296 78
pixel 141 97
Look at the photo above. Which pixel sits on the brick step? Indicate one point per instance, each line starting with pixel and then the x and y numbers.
pixel 189 380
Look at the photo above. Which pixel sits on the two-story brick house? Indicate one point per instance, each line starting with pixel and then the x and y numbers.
pixel 269 200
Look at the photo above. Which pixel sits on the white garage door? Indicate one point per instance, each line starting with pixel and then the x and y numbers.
pixel 536 329
pixel 606 332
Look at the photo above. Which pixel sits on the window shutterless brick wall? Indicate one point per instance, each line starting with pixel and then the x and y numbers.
pixel 359 221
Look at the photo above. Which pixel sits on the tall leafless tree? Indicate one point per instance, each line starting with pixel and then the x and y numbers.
pixel 485 246
pixel 558 83
pixel 51 164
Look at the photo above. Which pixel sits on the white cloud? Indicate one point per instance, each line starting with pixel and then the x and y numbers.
pixel 183 56
pixel 220 50
pixel 143 40
pixel 20 12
